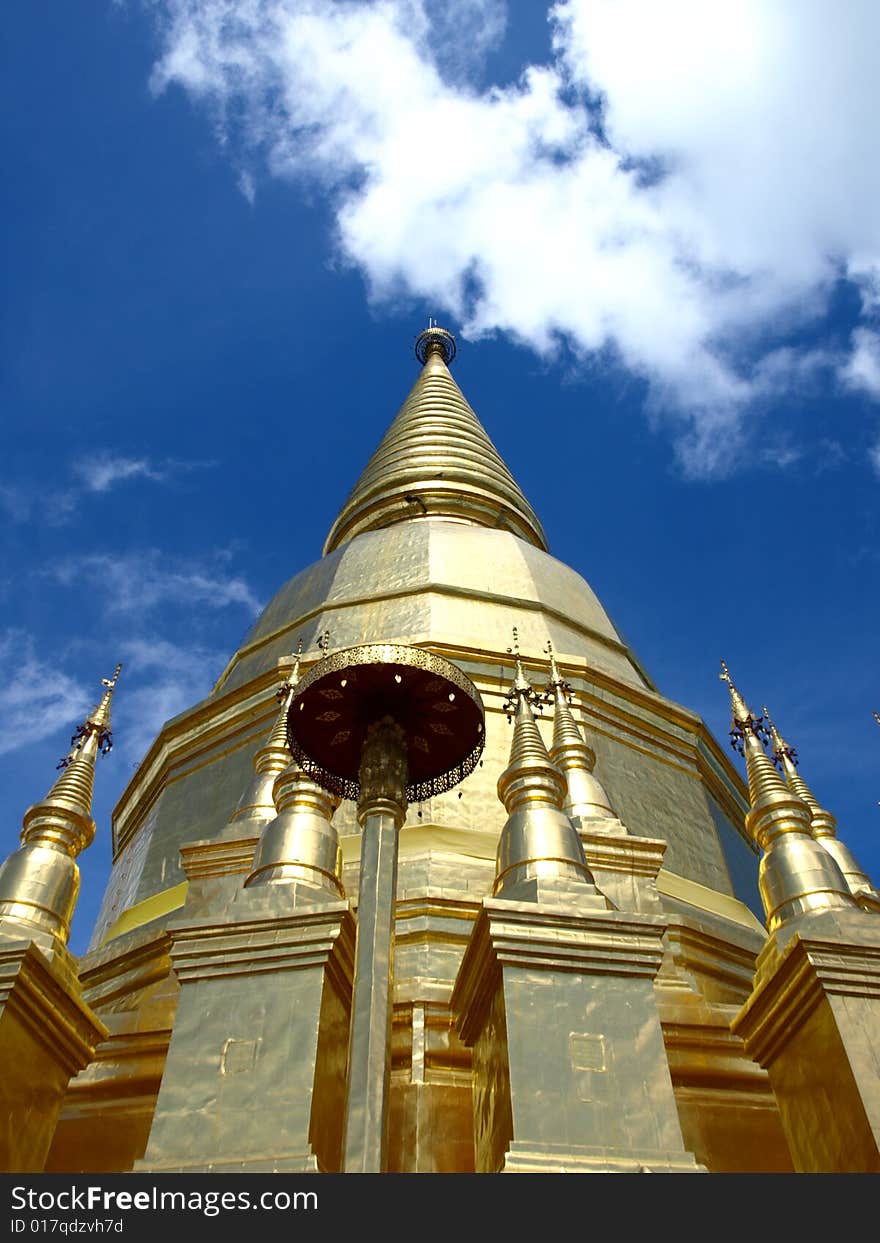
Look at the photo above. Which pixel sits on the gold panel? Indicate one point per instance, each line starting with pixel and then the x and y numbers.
pixel 47 1034
pixel 163 903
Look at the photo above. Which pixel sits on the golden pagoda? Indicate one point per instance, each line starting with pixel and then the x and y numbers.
pixel 558 963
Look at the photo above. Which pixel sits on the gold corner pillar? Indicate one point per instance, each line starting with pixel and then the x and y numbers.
pixel 47 1035
pixel 255 1075
pixel 381 812
pixel 813 1022
pixel 569 1066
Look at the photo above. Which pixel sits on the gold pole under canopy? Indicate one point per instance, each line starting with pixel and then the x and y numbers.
pixel 384 725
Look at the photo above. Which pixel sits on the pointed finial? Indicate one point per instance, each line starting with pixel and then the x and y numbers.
pixel 435 340
pixel 110 683
pixel 514 649
pixel 556 678
pixel 324 644
pixel 554 671
pixel 781 749
pixel 573 755
pixel 291 680
pixel 519 682
pixel 743 720
pixel 521 687
pixel 97 723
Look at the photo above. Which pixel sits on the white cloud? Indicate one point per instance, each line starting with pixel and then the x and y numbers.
pixel 738 183
pixel 781 455
pixel 23 502
pixel 247 186
pixel 102 471
pixel 159 680
pixel 97 473
pixel 865 272
pixel 17 502
pixel 175 677
pixel 862 369
pixel 782 369
pixel 36 697
pixel 137 582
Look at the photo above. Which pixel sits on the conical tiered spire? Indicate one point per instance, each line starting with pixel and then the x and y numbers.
pixel 256 804
pixel 540 856
pixel 39 883
pixel 796 875
pixel 436 460
pixel 586 797
pixel 824 825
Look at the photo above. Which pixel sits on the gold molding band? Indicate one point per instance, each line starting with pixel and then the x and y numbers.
pixel 162 903
pixel 414 839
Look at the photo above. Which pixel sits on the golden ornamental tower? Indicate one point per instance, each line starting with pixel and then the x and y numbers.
pixel 596 865
pixel 48 1031
pixel 823 826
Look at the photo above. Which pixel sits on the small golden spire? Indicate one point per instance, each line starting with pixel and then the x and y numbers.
pixel 540 856
pixel 796 874
pixel 96 725
pixel 277 740
pixel 299 844
pixel 39 882
pixel 257 804
pixel 100 718
pixel 571 753
pixel 823 823
pixel 74 788
pixel 786 760
pixel 747 735
pixel 742 718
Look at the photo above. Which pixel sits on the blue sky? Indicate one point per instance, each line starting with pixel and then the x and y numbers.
pixel 654 229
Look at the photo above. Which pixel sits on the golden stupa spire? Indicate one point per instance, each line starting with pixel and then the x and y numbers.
pixel 436 460
pixel 257 804
pixel 75 786
pixel 824 824
pixel 299 844
pixel 586 798
pixel 540 855
pixel 796 874
pixel 39 882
